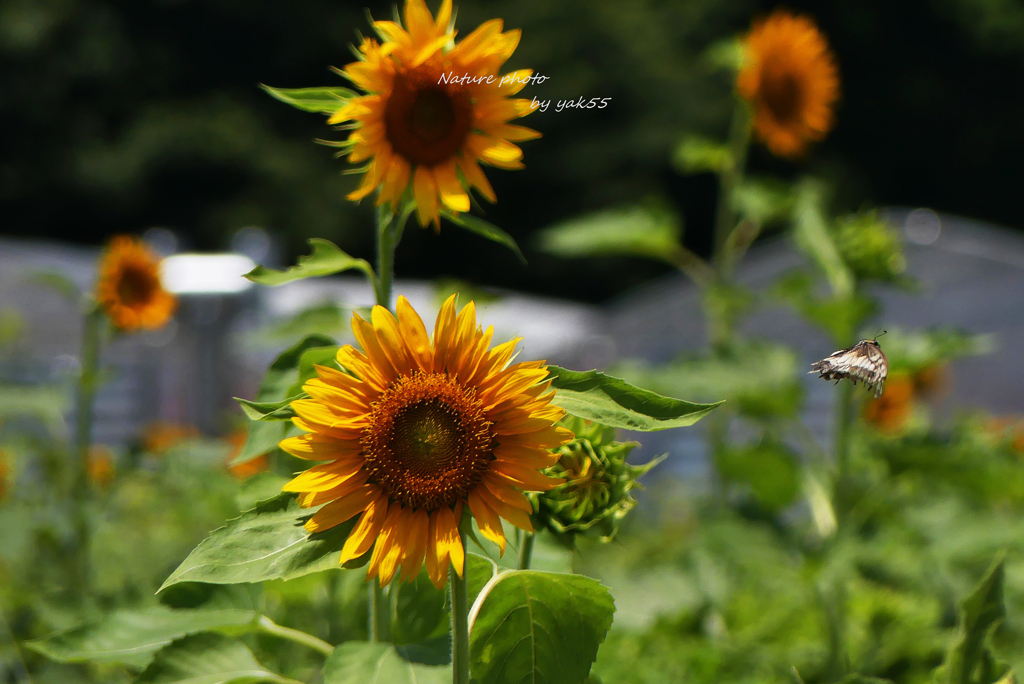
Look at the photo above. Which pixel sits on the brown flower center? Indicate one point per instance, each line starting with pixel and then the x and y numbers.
pixel 428 442
pixel 427 122
pixel 136 285
pixel 781 92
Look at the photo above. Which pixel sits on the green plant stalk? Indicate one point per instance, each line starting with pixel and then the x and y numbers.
pixel 844 423
pixel 268 626
pixel 728 180
pixel 378 611
pixel 526 550
pixel 385 257
pixel 460 622
pixel 88 379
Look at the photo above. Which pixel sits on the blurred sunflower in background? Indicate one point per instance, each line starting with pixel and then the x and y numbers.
pixel 789 77
pixel 413 430
pixel 100 465
pixel 418 126
pixel 129 289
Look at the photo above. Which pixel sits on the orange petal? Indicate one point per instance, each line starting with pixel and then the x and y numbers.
pixel 425 191
pixel 340 491
pixel 372 347
pixel 448 538
pixel 415 334
pixel 316 447
pixel 453 195
pixel 505 492
pixel 527 479
pixel 390 338
pixel 384 539
pixel 416 544
pixel 398 543
pixel 444 330
pixel 487 520
pixel 326 476
pixel 515 516
pixel 475 175
pixel 366 531
pixel 341 510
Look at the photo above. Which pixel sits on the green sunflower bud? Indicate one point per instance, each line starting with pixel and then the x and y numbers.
pixel 598 481
pixel 870 247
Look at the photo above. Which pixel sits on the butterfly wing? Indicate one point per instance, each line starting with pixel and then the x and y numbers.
pixel 863 361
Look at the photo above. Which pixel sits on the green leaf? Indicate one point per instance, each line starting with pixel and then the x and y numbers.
pixel 481 569
pixel 263 436
pixel 206 659
pixel 132 637
pixel 813 237
pixel 259 487
pixel 57 282
pixel 326 259
pixel 633 231
pixel 316 100
pixel 420 613
pixel 362 662
pixel 614 402
pixel 700 155
pixel 270 410
pixel 310 359
pixel 980 612
pixel 539 627
pixel 768 468
pixel 267 542
pixel 485 229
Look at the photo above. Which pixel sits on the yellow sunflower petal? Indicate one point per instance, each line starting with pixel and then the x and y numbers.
pixel 416 544
pixel 414 333
pixel 342 510
pixel 322 477
pixel 366 531
pixel 487 520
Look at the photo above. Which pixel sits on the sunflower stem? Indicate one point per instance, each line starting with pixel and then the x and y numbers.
pixel 378 611
pixel 268 626
pixel 385 256
pixel 88 378
pixel 728 180
pixel 526 550
pixel 460 622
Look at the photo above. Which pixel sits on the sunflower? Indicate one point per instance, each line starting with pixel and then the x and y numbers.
pixel 790 78
pixel 433 110
pixel 413 430
pixel 129 287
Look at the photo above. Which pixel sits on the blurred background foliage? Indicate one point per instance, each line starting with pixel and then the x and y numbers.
pixel 125 115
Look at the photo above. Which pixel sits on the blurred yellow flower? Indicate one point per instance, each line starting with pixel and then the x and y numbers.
pixel 790 78
pixel 433 110
pixel 415 430
pixel 890 412
pixel 100 465
pixel 129 288
pixel 6 472
pixel 159 436
pixel 247 469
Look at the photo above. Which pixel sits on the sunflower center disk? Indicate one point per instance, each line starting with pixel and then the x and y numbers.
pixel 426 123
pixel 428 442
pixel 135 286
pixel 781 92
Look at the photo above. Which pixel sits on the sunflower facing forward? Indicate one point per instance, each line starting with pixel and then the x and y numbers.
pixel 790 78
pixel 416 429
pixel 129 288
pixel 434 110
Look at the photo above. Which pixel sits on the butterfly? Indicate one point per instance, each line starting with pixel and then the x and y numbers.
pixel 863 361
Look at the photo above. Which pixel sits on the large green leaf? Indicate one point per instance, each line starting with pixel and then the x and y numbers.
pixel 362 662
pixel 701 155
pixel 326 259
pixel 539 627
pixel 267 542
pixel 485 229
pixel 316 100
pixel 207 659
pixel 614 402
pixel 969 660
pixel 133 636
pixel 636 231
